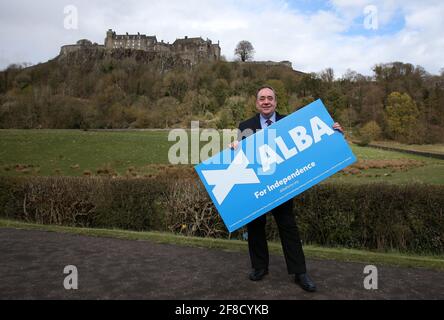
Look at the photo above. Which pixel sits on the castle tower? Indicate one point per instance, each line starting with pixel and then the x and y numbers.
pixel 109 39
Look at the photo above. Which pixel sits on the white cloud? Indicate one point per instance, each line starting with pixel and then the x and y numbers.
pixel 33 31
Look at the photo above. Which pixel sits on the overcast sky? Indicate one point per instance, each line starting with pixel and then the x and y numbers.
pixel 313 35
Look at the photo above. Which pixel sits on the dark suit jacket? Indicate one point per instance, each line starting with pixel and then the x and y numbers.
pixel 250 126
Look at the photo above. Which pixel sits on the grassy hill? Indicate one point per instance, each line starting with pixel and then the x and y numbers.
pixel 126 90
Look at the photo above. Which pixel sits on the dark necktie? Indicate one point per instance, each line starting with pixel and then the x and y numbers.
pixel 268 122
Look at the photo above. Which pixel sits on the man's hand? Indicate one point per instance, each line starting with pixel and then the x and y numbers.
pixel 337 126
pixel 233 145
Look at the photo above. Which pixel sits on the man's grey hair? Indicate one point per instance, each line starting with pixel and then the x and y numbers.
pixel 266 87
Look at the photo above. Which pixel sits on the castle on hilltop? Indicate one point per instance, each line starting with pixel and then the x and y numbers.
pixel 194 50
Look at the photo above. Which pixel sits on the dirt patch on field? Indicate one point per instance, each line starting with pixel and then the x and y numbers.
pixel 391 165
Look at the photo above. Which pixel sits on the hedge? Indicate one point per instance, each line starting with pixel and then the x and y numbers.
pixel 407 218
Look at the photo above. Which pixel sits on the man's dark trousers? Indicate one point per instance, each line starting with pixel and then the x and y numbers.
pixel 289 234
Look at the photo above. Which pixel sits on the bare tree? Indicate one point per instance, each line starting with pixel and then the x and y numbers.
pixel 327 75
pixel 244 50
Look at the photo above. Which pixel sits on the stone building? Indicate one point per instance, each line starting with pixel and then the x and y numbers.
pixel 192 50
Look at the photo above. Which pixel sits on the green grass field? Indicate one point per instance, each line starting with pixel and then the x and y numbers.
pixel 72 152
pixel 52 152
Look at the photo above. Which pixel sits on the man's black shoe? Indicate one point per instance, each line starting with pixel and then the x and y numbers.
pixel 305 282
pixel 258 274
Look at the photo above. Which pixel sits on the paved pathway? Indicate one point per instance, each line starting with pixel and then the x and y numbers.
pixel 32 264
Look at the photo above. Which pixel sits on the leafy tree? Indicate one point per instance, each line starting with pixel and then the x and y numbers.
pixel 335 101
pixel 176 85
pixel 221 91
pixel 402 117
pixel 223 70
pixel 237 107
pixel 198 103
pixel 244 50
pixel 310 85
pixel 369 132
pixel 225 119
pixel 165 110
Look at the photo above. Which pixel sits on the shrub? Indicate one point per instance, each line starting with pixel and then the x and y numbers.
pixel 369 132
pixel 190 211
pixel 407 218
pixel 374 216
pixel 86 202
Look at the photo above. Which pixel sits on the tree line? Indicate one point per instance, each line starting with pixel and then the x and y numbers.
pixel 398 101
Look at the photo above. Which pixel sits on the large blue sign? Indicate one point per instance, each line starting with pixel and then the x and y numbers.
pixel 274 165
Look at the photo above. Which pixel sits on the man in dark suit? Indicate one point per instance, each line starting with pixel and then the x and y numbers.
pixel 266 103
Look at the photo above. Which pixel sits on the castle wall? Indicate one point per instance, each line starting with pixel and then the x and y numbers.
pixel 64 50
